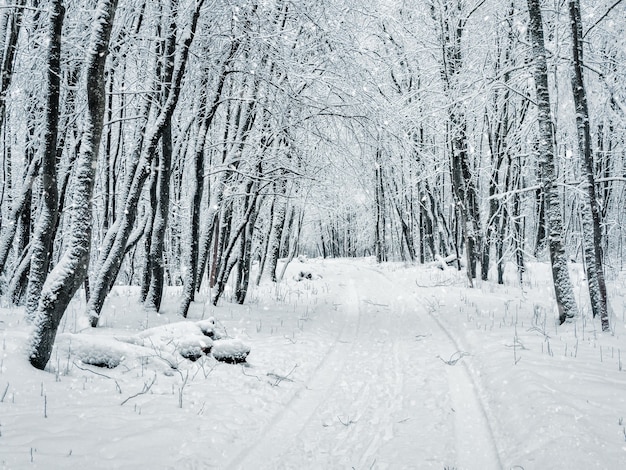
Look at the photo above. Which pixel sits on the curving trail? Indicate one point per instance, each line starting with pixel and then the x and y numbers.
pixel 380 398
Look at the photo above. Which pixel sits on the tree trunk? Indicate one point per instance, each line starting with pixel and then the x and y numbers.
pixel 278 224
pixel 112 259
pixel 197 187
pixel 12 17
pixel 452 19
pixel 9 227
pixel 294 246
pixel 592 239
pixel 245 255
pixel 562 284
pixel 62 283
pixel 43 237
pixel 380 245
pixel 161 216
pixel 225 264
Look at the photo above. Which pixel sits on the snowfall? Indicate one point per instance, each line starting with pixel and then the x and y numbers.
pixel 351 364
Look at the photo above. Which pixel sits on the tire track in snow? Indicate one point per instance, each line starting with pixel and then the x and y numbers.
pixel 359 409
pixel 476 444
pixel 378 400
pixel 278 436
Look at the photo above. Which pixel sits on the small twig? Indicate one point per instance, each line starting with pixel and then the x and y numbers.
pixel 348 423
pixel 421 337
pixel 146 389
pixel 117 385
pixel 279 378
pixel 243 371
pixel 6 389
pixel 456 357
pixel 369 302
pixel 181 389
pixel 517 344
pixel 539 330
pixel 159 353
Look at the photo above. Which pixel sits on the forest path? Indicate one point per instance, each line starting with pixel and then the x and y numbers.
pixel 380 397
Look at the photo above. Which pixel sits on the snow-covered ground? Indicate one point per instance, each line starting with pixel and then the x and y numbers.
pixel 363 366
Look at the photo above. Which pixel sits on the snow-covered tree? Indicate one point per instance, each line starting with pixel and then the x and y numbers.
pixel 545 148
pixel 66 277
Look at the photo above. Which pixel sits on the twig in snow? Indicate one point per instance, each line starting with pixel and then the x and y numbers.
pixel 243 371
pixel 6 389
pixel 146 389
pixel 346 423
pixel 117 385
pixel 159 353
pixel 369 302
pixel 517 344
pixel 456 357
pixel 181 389
pixel 540 331
pixel 446 283
pixel 279 378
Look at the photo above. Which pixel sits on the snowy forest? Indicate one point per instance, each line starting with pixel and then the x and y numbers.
pixel 187 159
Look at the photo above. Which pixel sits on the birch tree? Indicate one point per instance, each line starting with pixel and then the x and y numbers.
pixel 562 284
pixel 592 239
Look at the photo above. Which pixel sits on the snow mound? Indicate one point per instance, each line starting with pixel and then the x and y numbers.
pixel 306 275
pixel 193 347
pixel 111 352
pixel 100 352
pixel 209 329
pixel 186 339
pixel 163 346
pixel 233 351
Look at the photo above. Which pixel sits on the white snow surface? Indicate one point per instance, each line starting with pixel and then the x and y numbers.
pixel 365 366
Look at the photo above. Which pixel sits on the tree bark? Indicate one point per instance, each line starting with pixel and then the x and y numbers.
pixel 278 225
pixel 13 23
pixel 63 282
pixel 43 237
pixel 380 244
pixel 197 187
pixel 155 259
pixel 10 224
pixel 592 240
pixel 564 293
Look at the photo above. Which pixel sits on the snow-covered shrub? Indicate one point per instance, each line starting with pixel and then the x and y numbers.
pixel 232 351
pixel 193 347
pixel 306 275
pixel 209 328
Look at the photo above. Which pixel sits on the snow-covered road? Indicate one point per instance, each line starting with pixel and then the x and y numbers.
pixel 362 366
pixel 380 395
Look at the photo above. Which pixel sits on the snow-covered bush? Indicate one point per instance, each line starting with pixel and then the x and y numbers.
pixel 232 351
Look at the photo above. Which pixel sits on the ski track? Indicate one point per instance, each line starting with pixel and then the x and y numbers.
pixel 476 445
pixel 379 395
pixel 300 410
